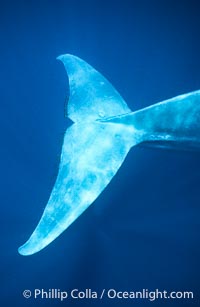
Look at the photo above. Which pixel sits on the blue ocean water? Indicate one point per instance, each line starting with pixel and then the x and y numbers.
pixel 143 230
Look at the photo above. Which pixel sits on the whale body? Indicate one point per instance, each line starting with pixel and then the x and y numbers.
pixel 104 129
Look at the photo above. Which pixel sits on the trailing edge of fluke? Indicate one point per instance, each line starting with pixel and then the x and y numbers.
pixel 103 131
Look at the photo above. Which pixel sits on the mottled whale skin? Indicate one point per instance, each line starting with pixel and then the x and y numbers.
pixel 104 129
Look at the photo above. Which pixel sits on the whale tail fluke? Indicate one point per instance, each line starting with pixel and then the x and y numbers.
pixel 92 152
pixel 96 144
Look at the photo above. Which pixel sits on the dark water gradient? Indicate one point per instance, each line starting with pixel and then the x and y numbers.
pixel 143 231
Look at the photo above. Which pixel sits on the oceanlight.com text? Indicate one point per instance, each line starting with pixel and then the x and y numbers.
pixel 112 294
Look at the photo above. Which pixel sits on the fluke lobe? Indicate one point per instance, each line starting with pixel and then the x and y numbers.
pixel 103 131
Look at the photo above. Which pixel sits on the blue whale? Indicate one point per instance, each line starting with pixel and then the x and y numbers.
pixel 104 129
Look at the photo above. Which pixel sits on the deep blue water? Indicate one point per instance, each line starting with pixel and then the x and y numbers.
pixel 143 230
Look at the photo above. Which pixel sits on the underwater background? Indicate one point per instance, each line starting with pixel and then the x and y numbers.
pixel 143 230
